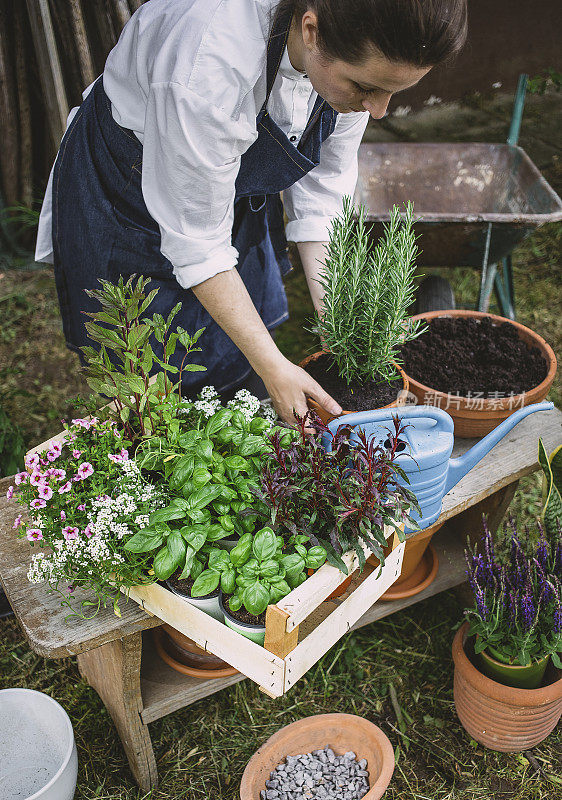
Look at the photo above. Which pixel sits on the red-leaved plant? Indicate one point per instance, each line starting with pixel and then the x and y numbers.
pixel 340 497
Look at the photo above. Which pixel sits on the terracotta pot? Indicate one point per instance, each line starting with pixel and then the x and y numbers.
pixel 192 672
pixel 184 650
pixel 326 417
pixel 422 577
pixel 414 551
pixel 342 588
pixel 500 717
pixel 476 422
pixel 342 732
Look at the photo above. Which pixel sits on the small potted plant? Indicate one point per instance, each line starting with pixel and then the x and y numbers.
pixel 367 292
pixel 260 570
pixel 507 694
pixel 340 497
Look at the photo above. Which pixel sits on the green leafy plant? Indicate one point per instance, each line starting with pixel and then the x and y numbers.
pixel 122 366
pixel 258 571
pixel 210 466
pixel 551 514
pixel 368 290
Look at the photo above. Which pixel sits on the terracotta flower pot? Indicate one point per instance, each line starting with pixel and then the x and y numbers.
pixel 343 732
pixel 184 650
pixel 500 717
pixel 326 417
pixel 476 422
pixel 194 672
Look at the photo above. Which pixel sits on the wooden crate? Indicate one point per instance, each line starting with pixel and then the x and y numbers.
pixel 299 629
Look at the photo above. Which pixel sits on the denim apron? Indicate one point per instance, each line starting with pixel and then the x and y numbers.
pixel 102 227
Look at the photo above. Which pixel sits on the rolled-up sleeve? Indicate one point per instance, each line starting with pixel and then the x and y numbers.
pixel 191 158
pixel 313 202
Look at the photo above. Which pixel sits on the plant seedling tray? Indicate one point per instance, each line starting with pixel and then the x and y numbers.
pixel 298 630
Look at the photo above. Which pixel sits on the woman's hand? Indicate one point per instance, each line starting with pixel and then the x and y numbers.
pixel 289 386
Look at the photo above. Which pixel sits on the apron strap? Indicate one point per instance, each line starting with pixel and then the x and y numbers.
pixel 275 48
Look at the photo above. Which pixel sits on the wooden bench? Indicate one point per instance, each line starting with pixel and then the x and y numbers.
pixel 116 656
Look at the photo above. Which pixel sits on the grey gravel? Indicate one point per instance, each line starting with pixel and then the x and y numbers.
pixel 319 775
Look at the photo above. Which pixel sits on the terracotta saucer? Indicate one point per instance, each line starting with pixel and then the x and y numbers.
pixel 193 672
pixel 419 580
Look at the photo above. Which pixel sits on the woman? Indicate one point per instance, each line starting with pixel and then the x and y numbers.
pixel 172 166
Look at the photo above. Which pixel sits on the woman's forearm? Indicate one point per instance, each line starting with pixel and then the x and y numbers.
pixel 313 255
pixel 226 299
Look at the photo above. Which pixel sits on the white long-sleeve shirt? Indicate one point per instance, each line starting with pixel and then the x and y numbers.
pixel 189 78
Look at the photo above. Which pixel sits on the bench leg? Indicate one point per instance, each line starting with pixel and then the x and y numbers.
pixel 469 522
pixel 469 525
pixel 113 670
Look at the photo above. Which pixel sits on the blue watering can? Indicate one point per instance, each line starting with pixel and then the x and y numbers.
pixel 426 458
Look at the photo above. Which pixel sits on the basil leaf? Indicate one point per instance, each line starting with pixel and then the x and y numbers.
pixel 206 583
pixel 265 544
pixel 143 542
pixel 218 421
pixel 256 598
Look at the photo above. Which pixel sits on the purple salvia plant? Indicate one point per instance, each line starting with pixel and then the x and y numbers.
pixel 528 611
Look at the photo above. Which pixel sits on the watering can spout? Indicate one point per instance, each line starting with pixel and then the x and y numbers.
pixel 458 467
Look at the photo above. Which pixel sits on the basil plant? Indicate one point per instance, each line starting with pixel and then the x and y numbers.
pixel 257 571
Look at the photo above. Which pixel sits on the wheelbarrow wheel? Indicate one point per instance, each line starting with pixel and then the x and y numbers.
pixel 434 294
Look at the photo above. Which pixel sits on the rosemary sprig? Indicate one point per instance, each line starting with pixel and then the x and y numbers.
pixel 368 290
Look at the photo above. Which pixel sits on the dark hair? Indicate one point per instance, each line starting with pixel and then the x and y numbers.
pixel 421 33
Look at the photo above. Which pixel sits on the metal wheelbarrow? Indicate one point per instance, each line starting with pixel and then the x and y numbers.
pixel 474 202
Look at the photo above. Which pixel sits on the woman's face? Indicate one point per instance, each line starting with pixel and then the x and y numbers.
pixel 367 86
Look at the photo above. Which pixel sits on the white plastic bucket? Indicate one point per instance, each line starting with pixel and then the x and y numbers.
pixel 38 759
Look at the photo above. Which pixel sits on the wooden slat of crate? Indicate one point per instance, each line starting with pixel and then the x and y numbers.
pixel 340 621
pixel 263 667
pixel 303 600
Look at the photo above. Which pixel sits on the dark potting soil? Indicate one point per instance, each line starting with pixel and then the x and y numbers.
pixel 464 356
pixel 242 615
pixel 184 585
pixel 355 396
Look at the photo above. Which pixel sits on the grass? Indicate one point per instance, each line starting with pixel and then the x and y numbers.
pixel 396 672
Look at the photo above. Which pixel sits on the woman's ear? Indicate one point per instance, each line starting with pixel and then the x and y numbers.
pixel 309 30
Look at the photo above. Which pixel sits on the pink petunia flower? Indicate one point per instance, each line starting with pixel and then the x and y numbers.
pixel 34 534
pixel 20 477
pixel 118 458
pixel 62 516
pixel 36 478
pixel 56 447
pixel 59 474
pixel 84 471
pixel 82 507
pixel 88 531
pixel 70 532
pixel 76 453
pixel 45 491
pixel 10 492
pixel 17 522
pixel 38 503
pixel 66 487
pixel 52 456
pixel 32 461
pixel 83 423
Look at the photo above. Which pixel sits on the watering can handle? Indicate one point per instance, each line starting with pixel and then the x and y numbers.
pixel 458 467
pixel 443 421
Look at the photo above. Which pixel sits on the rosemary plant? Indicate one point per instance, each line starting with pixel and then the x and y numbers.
pixel 368 290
